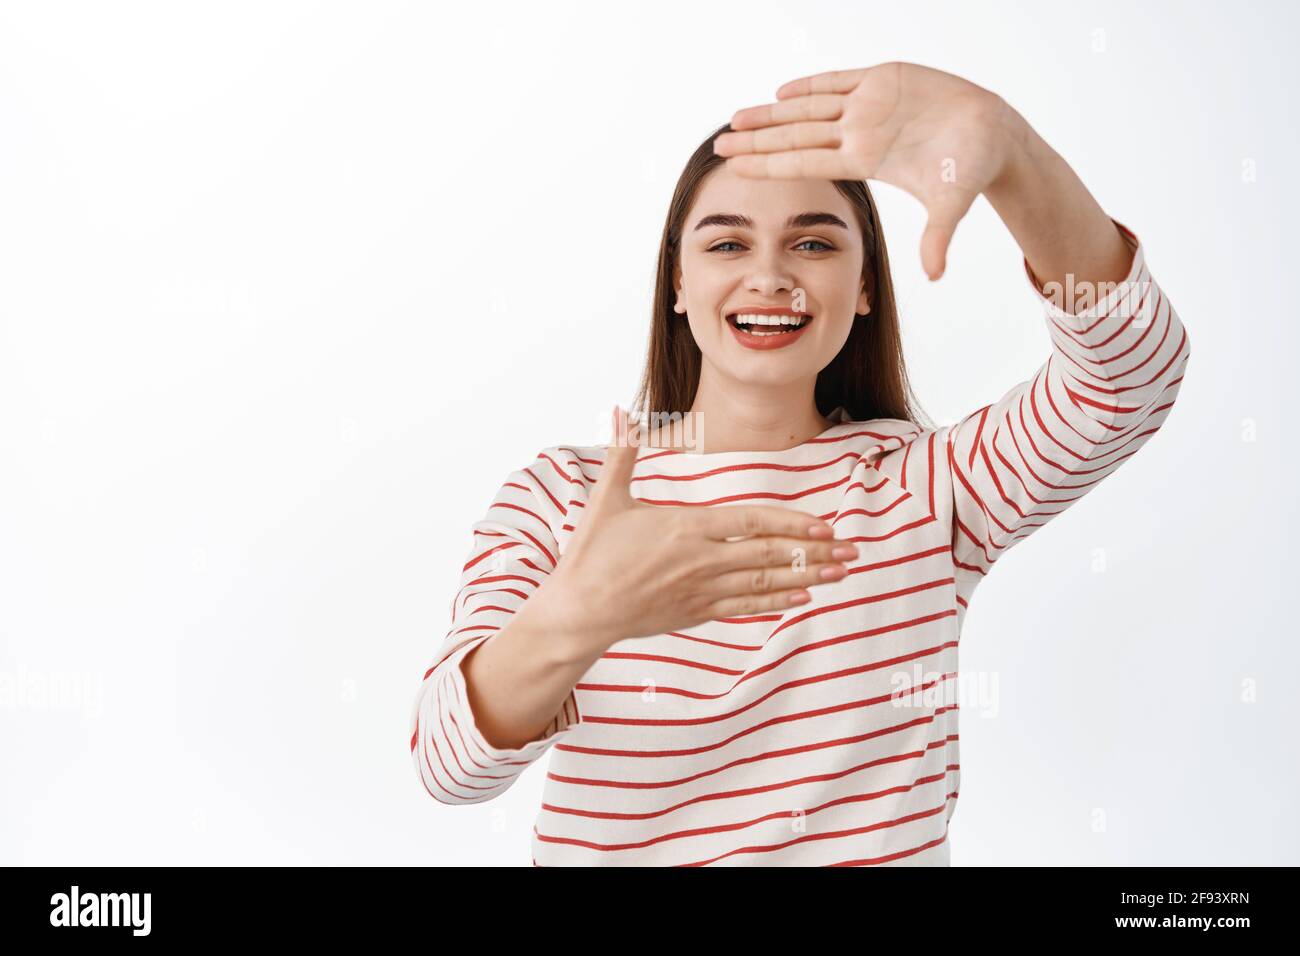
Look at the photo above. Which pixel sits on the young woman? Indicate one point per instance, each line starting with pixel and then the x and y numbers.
pixel 747 655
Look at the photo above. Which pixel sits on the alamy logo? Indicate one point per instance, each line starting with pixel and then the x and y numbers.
pixel 101 909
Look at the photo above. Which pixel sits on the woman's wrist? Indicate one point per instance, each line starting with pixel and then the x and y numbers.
pixel 555 612
pixel 1031 184
pixel 1061 229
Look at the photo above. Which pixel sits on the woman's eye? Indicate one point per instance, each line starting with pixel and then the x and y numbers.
pixel 825 247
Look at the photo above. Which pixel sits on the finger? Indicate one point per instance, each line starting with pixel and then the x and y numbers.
pixel 820 106
pixel 792 164
pixel 778 138
pixel 939 228
pixel 765 580
pixel 766 551
pixel 614 482
pixel 757 603
pixel 834 81
pixel 769 551
pixel 742 521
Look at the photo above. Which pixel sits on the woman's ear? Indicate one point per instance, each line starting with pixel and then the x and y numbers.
pixel 679 306
pixel 864 303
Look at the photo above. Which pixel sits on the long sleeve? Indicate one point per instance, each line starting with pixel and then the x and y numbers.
pixel 513 550
pixel 1107 386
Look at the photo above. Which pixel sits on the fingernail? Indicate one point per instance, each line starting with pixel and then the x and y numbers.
pixel 820 531
pixel 845 551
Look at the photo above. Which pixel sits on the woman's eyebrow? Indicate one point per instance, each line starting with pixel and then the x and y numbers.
pixel 803 220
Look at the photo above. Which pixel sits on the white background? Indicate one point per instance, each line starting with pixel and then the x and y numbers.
pixel 287 290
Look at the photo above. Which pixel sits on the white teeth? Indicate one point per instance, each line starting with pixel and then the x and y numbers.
pixel 746 318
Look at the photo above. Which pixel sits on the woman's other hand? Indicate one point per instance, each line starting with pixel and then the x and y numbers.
pixel 636 570
pixel 939 137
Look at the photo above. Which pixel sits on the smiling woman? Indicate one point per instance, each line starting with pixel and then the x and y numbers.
pixel 742 246
pixel 749 656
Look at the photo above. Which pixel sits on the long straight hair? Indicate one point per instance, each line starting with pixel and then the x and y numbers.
pixel 868 377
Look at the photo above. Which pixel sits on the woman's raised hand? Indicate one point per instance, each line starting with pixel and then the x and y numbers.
pixel 635 570
pixel 939 137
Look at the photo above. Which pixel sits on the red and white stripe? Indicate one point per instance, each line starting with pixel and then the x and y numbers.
pixel 781 739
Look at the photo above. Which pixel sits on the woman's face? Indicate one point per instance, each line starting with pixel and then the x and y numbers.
pixel 744 245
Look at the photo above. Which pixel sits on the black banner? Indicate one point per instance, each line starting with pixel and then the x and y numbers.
pixel 210 905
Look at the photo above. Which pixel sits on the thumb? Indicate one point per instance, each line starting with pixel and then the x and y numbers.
pixel 613 485
pixel 939 228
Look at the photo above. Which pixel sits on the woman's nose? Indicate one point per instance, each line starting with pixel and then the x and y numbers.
pixel 769 281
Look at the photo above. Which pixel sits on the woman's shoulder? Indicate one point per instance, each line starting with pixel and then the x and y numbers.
pixel 889 432
pixel 555 467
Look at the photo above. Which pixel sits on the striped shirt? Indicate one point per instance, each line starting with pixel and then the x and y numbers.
pixel 826 734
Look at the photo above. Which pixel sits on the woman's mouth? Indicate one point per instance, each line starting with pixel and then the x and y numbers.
pixel 762 331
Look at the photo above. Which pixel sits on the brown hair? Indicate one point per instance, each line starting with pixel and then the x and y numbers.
pixel 868 377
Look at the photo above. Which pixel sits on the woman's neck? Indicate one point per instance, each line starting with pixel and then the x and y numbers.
pixel 731 422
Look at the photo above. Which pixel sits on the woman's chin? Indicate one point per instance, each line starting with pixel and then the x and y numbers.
pixel 766 369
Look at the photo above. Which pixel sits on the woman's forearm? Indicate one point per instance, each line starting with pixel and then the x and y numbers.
pixel 519 678
pixel 1059 226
